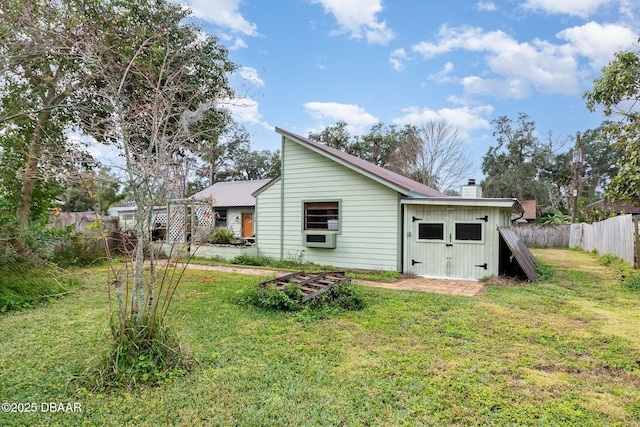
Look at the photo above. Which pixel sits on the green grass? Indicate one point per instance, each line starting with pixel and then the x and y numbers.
pixel 562 352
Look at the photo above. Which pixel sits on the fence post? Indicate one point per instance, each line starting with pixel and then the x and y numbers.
pixel 637 242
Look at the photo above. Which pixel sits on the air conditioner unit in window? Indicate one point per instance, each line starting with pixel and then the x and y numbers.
pixel 319 240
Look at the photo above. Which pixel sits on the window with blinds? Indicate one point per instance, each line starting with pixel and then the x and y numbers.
pixel 321 216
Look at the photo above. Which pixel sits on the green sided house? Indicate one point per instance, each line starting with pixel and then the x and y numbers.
pixel 233 205
pixel 331 208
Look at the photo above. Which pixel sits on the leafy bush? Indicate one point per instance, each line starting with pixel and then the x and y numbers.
pixel 632 282
pixel 23 286
pixel 293 291
pixel 222 235
pixel 630 278
pixel 258 261
pixel 348 296
pixel 608 259
pixel 78 251
pixel 271 298
pixel 558 217
pixel 545 271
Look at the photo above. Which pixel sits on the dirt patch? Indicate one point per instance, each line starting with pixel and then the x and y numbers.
pixel 503 281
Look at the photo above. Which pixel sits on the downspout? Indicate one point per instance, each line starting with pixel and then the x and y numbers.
pixel 513 220
pixel 401 236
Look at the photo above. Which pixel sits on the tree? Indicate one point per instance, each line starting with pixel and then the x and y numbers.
pixel 617 91
pixel 600 157
pixel 251 164
pixel 92 189
pixel 336 136
pixel 159 83
pixel 377 146
pixel 162 81
pixel 43 45
pixel 433 154
pixel 513 167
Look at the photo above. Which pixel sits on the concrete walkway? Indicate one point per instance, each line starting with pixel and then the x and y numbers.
pixel 440 286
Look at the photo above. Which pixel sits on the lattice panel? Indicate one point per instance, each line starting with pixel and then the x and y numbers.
pixel 160 218
pixel 177 224
pixel 194 221
pixel 202 222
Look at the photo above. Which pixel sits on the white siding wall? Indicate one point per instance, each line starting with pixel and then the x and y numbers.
pixel 267 221
pixel 368 236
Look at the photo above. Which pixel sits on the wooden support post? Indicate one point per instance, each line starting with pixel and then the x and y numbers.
pixel 637 243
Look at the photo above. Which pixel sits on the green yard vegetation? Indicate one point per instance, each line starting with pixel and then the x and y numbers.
pixel 562 352
pixel 27 285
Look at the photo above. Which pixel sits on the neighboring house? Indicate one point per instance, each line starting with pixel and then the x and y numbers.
pixel 233 204
pixel 617 207
pixel 530 212
pixel 332 208
pixel 127 217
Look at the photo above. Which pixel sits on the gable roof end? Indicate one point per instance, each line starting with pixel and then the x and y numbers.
pixel 396 181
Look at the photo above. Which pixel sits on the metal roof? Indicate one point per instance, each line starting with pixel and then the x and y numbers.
pixel 396 181
pixel 232 193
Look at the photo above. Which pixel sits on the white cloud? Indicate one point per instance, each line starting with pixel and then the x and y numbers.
pixel 599 42
pixel 358 17
pixel 223 13
pixel 486 6
pixel 442 76
pixel 513 88
pixel 355 116
pixel 582 8
pixel 466 119
pixel 519 67
pixel 398 58
pixel 245 110
pixel 250 76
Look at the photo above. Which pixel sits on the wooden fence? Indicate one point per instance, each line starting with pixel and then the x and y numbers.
pixel 80 221
pixel 612 236
pixel 543 235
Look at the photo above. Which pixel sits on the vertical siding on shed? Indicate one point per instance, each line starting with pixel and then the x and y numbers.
pixel 460 259
pixel 267 221
pixel 368 236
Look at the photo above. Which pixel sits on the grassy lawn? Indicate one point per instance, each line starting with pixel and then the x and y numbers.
pixel 563 352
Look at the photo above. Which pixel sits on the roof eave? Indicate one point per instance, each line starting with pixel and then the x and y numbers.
pixel 400 189
pixel 459 201
pixel 265 186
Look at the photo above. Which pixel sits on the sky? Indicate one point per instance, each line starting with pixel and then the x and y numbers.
pixel 306 64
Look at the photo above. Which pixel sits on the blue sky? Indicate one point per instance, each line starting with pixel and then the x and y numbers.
pixel 306 64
